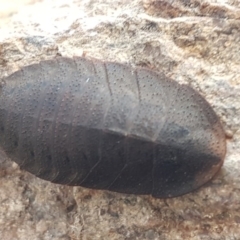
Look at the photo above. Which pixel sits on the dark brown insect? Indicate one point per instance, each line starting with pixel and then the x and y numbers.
pixel 108 126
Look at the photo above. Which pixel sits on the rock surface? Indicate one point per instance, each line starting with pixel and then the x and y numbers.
pixel 195 42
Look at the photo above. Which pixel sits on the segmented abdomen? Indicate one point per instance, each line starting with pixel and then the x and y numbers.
pixel 109 126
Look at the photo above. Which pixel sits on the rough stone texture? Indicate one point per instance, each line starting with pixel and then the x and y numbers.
pixel 195 42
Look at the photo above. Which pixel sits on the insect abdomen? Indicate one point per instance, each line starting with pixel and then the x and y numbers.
pixel 108 126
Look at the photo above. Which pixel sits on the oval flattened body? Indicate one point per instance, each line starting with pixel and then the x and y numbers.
pixel 107 126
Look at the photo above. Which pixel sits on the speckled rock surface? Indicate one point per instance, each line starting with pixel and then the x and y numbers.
pixel 194 42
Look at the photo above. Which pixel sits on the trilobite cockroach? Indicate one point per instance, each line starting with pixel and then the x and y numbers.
pixel 108 126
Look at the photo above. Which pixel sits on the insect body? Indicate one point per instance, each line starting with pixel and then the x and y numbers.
pixel 108 126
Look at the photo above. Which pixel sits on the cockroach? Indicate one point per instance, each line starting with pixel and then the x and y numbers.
pixel 105 125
